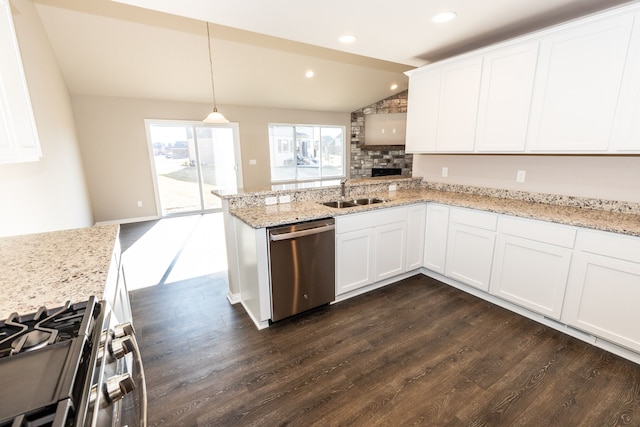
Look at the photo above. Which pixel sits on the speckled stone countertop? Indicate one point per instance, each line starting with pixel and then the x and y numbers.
pixel 624 220
pixel 47 269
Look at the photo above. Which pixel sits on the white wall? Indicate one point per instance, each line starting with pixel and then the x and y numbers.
pixel 116 155
pixel 50 194
pixel 600 177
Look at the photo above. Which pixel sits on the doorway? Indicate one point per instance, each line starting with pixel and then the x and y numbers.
pixel 189 159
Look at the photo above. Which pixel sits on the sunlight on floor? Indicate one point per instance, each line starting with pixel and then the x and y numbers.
pixel 176 249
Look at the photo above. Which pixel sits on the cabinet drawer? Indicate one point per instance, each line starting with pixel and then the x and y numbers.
pixel 484 220
pixel 545 232
pixel 360 221
pixel 612 245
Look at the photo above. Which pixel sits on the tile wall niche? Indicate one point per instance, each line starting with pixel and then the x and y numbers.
pixel 363 158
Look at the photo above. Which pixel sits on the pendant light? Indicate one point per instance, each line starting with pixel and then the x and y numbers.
pixel 214 116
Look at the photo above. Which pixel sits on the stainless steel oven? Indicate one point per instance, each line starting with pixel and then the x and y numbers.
pixel 70 366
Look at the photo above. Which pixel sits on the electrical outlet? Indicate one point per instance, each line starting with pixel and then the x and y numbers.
pixel 520 176
pixel 285 198
pixel 271 200
pixel 393 187
pixel 139 203
pixel 252 162
pixel 445 172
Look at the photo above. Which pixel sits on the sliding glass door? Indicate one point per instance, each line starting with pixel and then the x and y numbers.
pixel 189 160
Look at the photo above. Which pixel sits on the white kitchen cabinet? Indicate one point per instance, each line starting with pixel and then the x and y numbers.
pixel 18 134
pixel 354 260
pixel 470 247
pixel 443 107
pixel 415 236
pixel 422 111
pixel 505 98
pixel 435 237
pixel 531 264
pixel 626 129
pixel 390 242
pixel 370 246
pixel 577 84
pixel 604 288
pixel 458 110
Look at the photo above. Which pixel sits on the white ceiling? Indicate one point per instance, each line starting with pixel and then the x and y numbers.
pixel 262 48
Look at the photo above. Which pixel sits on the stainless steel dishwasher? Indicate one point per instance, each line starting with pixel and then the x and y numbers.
pixel 301 267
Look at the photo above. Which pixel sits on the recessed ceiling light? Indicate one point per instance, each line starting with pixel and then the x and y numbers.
pixel 309 74
pixel 347 38
pixel 394 86
pixel 444 17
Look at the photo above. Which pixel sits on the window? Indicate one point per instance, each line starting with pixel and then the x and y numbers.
pixel 306 152
pixel 189 160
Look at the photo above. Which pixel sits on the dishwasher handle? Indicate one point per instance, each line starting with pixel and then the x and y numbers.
pixel 301 233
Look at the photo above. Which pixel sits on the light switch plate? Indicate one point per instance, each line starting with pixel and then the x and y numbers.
pixel 285 198
pixel 271 200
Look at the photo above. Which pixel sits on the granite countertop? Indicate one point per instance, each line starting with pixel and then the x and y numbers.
pixel 48 269
pixel 618 222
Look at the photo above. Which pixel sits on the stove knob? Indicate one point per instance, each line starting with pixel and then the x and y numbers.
pixel 119 385
pixel 123 329
pixel 121 346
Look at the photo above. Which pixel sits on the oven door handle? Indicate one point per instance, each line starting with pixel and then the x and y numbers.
pixel 141 380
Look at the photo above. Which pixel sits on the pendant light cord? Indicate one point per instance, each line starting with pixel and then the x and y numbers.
pixel 213 88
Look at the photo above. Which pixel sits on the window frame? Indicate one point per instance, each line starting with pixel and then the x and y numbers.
pixel 279 143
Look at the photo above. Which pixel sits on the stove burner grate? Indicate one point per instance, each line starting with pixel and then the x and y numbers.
pixel 19 334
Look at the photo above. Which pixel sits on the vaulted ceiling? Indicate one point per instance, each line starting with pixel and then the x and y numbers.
pixel 262 49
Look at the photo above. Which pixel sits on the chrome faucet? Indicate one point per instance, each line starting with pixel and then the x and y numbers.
pixel 342 187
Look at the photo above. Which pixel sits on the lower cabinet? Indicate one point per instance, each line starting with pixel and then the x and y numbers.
pixel 390 242
pixel 531 264
pixel 415 236
pixel 354 260
pixel 470 247
pixel 372 246
pixel 604 288
pixel 436 231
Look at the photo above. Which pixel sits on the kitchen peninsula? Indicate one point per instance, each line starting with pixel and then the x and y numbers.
pixel 49 269
pixel 541 255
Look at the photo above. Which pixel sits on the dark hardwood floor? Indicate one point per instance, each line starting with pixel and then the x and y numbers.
pixel 414 353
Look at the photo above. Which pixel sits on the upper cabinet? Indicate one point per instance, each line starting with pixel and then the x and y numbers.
pixel 443 107
pixel 571 89
pixel 579 76
pixel 422 111
pixel 626 129
pixel 505 98
pixel 18 135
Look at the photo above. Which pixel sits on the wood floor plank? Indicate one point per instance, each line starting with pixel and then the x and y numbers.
pixel 414 353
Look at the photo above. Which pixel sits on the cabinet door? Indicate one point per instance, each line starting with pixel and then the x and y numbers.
pixel 458 111
pixel 18 135
pixel 422 111
pixel 415 236
pixel 604 295
pixel 626 130
pixel 390 245
pixel 435 237
pixel 505 98
pixel 470 255
pixel 354 263
pixel 531 274
pixel 577 85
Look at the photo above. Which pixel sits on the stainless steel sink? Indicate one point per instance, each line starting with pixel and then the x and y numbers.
pixel 340 204
pixel 351 203
pixel 368 201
